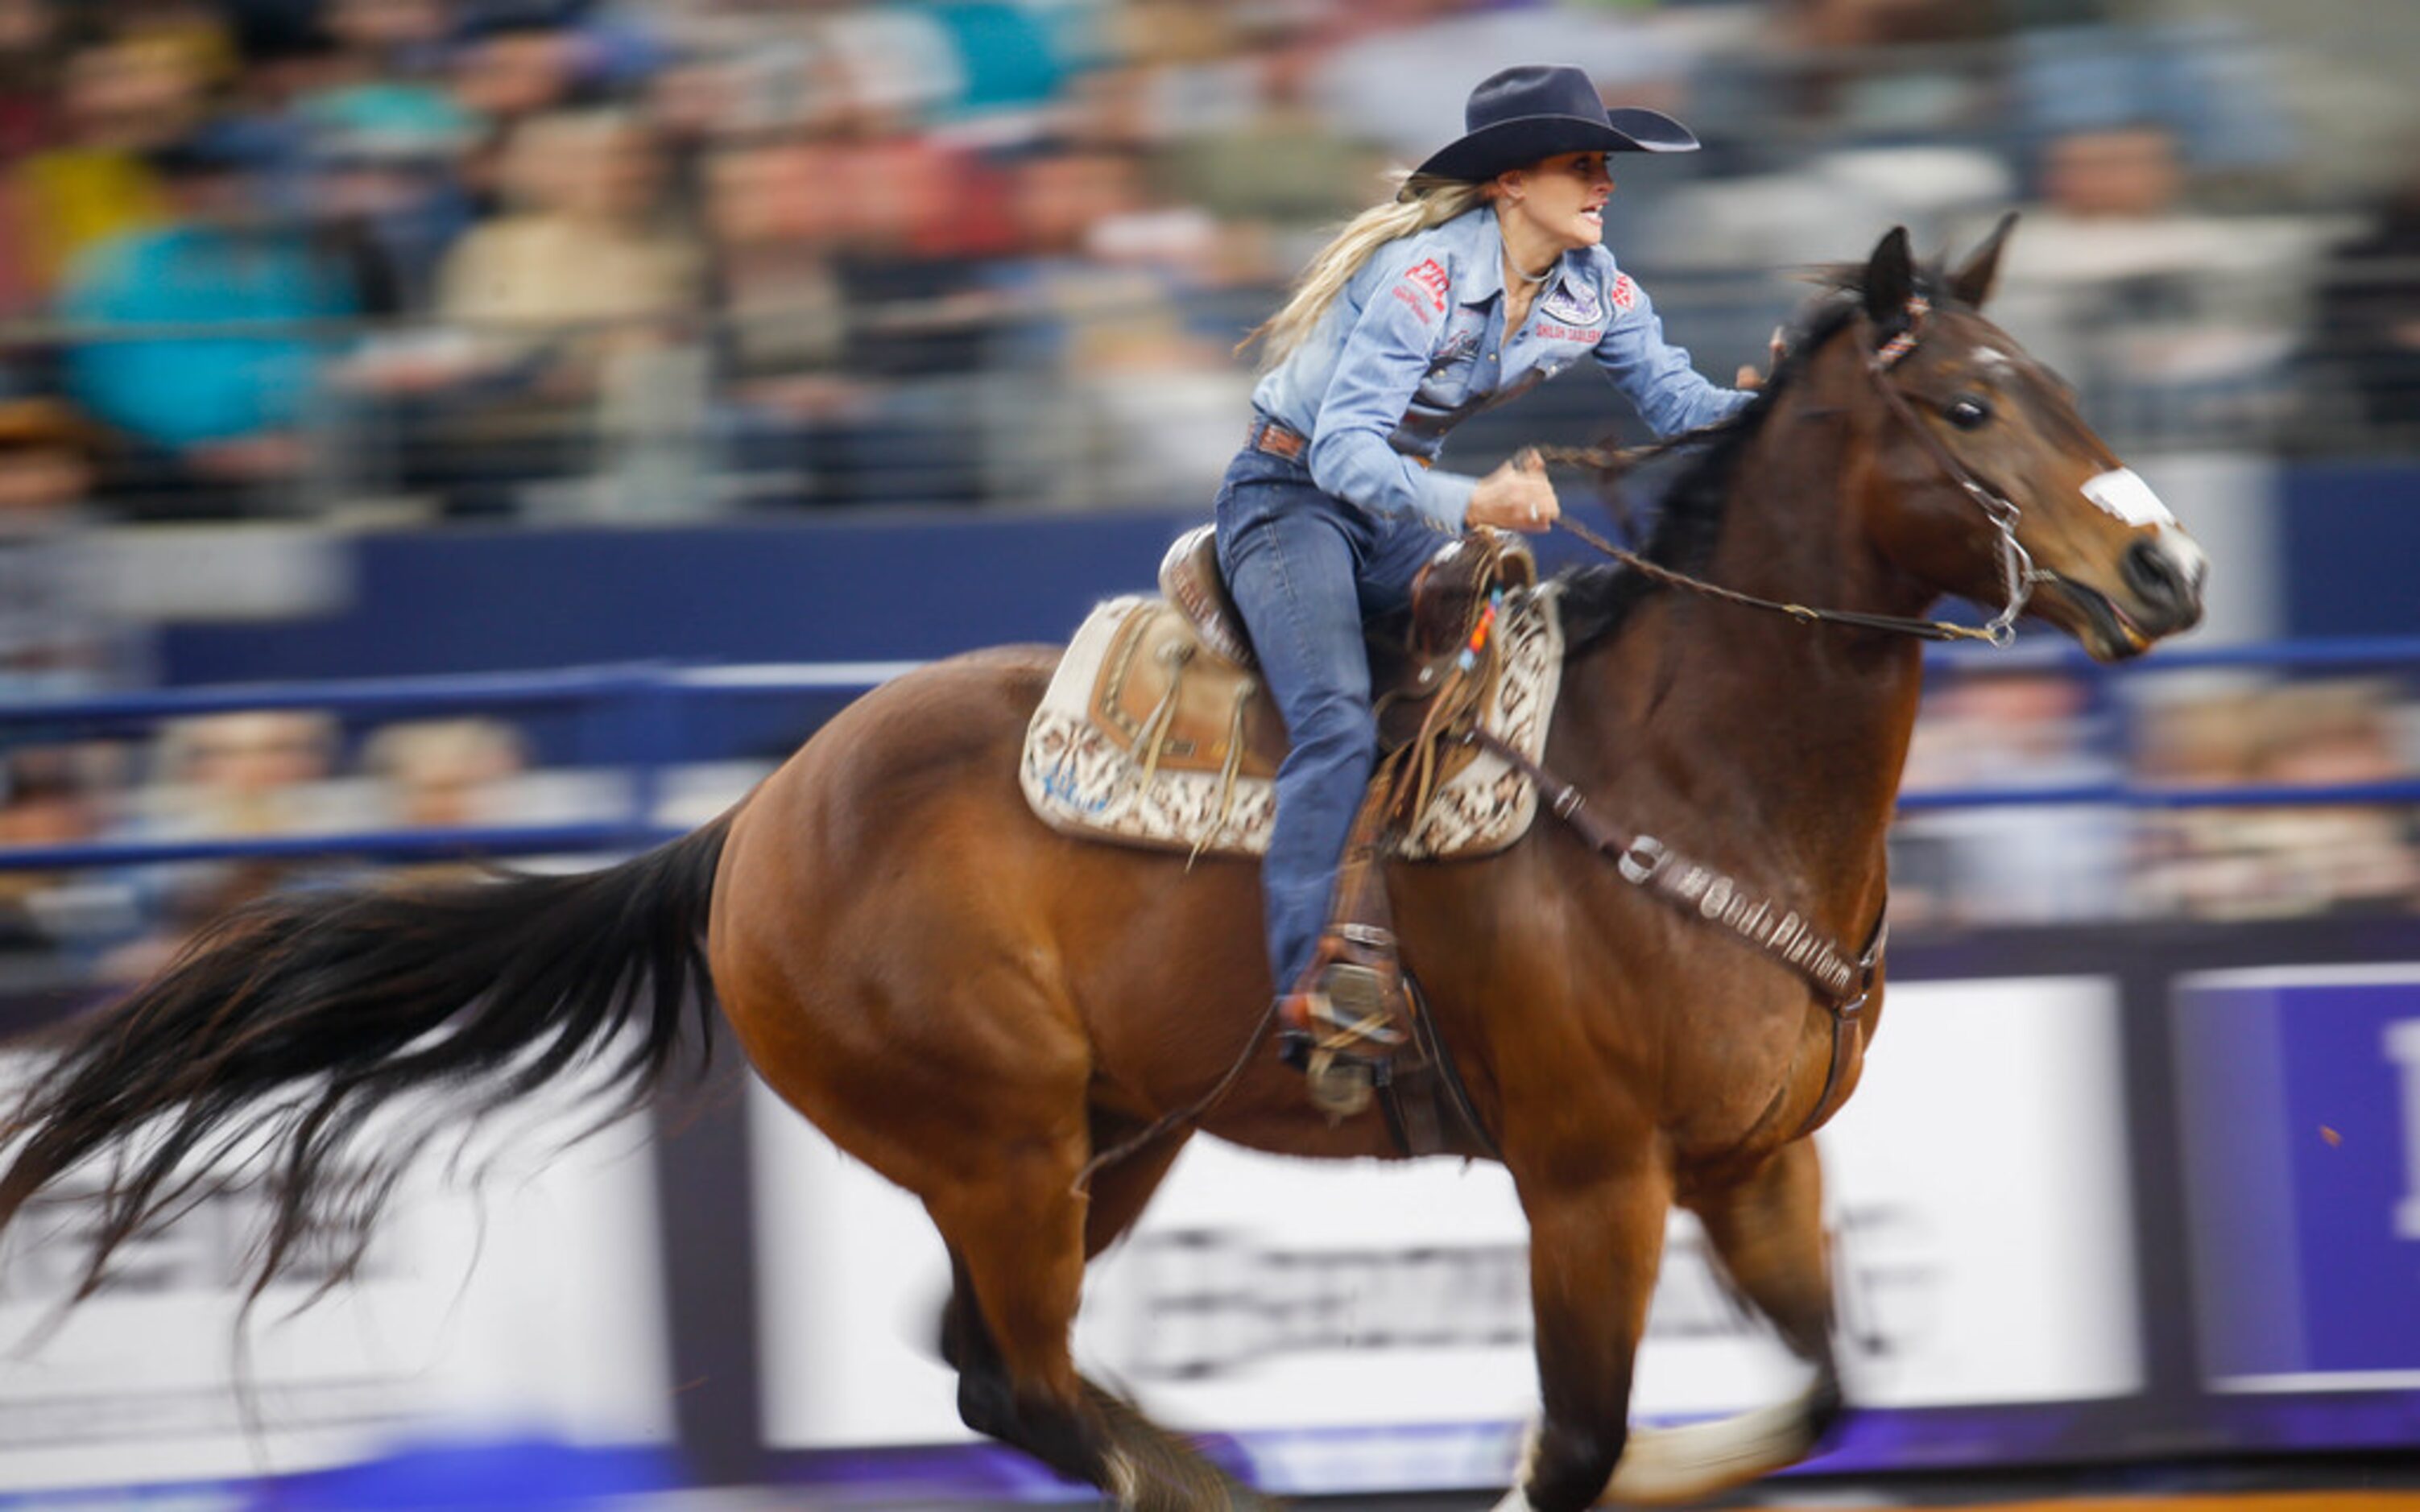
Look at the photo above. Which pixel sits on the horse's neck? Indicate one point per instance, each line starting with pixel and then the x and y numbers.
pixel 1778 743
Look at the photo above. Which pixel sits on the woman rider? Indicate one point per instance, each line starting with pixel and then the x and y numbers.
pixel 1485 275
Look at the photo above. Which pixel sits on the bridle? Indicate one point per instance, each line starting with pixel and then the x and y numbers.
pixel 2018 574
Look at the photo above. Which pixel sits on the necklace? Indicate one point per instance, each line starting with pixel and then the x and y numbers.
pixel 1529 277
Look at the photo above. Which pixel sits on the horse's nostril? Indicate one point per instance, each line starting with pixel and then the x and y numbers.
pixel 2154 575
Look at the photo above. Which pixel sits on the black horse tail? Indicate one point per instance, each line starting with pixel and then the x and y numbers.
pixel 287 1025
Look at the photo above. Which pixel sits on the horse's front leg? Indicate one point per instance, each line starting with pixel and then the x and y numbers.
pixel 1596 1234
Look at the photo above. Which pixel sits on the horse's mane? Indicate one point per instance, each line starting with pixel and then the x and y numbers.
pixel 1597 599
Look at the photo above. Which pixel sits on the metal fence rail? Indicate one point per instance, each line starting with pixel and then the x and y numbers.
pixel 639 710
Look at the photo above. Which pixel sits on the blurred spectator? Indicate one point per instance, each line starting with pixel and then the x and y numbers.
pixel 2206 81
pixel 1266 157
pixel 916 216
pixel 514 62
pixel 2162 315
pixel 119 101
pixel 224 776
pixel 589 244
pixel 2229 862
pixel 222 411
pixel 31 51
pixel 383 139
pixel 389 44
pixel 384 192
pixel 2335 859
pixel 1144 404
pixel 2035 864
pixel 1398 74
pixel 60 633
pixel 31 57
pixel 774 210
pixel 2365 325
pixel 544 308
pixel 445 774
pixel 59 795
pixel 1843 82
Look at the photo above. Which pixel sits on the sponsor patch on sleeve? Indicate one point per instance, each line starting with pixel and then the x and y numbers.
pixel 1624 293
pixel 1426 281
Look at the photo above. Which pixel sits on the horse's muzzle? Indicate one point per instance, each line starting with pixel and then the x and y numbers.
pixel 2164 572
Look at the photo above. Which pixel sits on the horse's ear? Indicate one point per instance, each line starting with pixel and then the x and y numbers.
pixel 1889 282
pixel 1972 283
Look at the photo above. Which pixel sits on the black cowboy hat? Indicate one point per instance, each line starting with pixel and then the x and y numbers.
pixel 1519 115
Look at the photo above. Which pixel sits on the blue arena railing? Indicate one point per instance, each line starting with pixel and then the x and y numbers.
pixel 640 707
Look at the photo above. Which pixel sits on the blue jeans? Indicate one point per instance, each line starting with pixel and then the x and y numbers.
pixel 1304 571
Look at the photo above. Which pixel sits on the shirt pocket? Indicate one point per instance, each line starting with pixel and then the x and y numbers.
pixel 1453 366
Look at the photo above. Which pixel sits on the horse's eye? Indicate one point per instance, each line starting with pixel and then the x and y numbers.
pixel 1966 411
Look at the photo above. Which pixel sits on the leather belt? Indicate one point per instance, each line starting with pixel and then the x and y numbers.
pixel 1278 441
pixel 1266 435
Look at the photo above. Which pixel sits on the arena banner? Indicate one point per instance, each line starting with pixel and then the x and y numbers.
pixel 523 1310
pixel 1366 1327
pixel 2299 1095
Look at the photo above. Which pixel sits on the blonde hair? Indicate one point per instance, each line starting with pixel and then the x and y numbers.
pixel 1419 203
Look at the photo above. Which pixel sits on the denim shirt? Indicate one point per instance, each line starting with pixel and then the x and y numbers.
pixel 1415 344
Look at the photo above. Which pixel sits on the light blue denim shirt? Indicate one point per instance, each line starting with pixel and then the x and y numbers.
pixel 1416 343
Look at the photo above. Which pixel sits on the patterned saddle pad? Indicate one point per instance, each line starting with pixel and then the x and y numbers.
pixel 1146 736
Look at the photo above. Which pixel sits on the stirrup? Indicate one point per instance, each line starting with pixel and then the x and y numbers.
pixel 1340 1084
pixel 1342 1034
pixel 1348 1008
pixel 1354 999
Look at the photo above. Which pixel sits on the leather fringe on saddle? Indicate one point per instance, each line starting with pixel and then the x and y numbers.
pixel 1152 739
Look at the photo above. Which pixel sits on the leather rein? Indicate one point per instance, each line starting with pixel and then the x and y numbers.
pixel 1844 984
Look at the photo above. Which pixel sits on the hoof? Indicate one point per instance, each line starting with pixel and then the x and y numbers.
pixel 1661 1467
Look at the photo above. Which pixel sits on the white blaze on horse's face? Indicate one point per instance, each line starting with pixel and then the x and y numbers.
pixel 2121 492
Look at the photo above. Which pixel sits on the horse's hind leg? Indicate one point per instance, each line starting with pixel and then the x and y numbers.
pixel 1016 1234
pixel 1118 1195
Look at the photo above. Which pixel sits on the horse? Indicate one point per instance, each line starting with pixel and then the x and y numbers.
pixel 976 1006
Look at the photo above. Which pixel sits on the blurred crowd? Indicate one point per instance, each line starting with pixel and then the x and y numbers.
pixel 673 259
pixel 2046 751
pixel 271 774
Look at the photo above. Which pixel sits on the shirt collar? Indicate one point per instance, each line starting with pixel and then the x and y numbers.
pixel 1486 279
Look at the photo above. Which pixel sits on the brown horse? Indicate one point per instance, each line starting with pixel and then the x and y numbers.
pixel 973 1005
